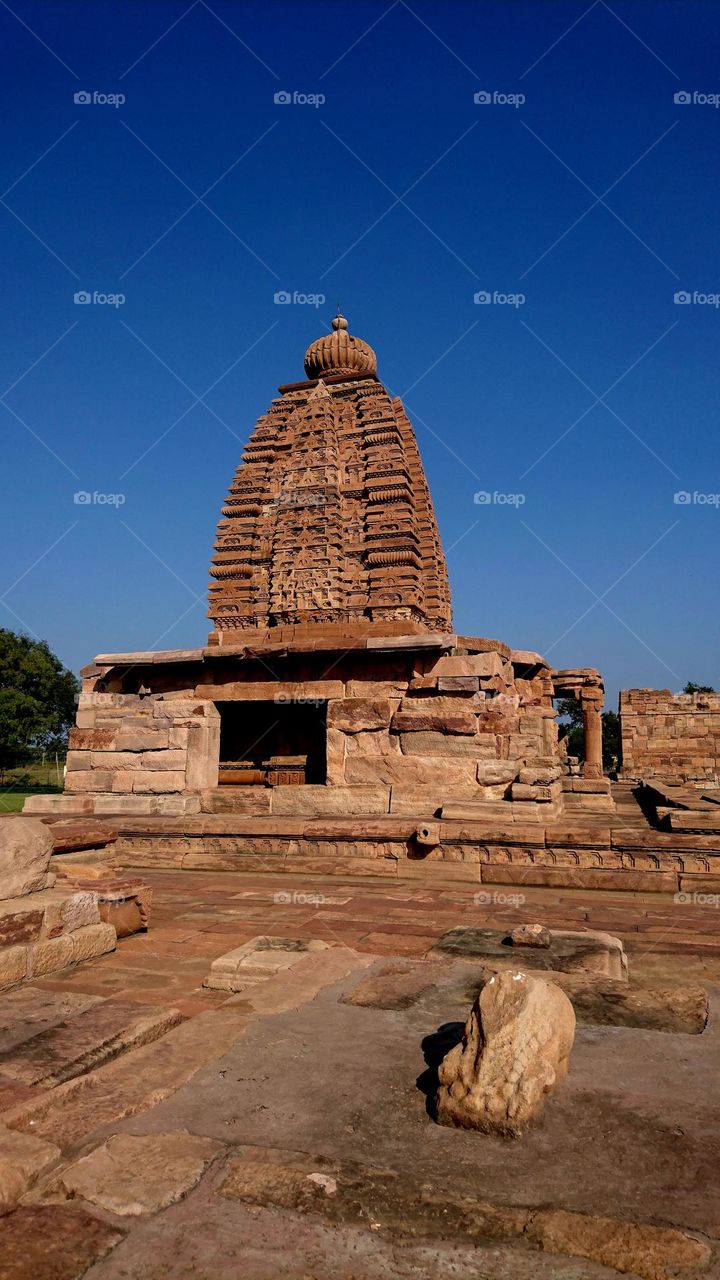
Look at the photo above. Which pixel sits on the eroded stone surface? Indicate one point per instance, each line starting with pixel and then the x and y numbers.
pixel 514 1052
pixel 138 1174
pixel 52 1242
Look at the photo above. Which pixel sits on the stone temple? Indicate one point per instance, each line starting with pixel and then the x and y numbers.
pixel 332 680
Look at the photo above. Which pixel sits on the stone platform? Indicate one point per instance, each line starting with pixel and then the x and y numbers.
pixel 151 1125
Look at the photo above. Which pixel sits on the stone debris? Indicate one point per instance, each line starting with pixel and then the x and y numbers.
pixel 513 1054
pixel 530 935
pixel 587 951
pixel 136 1174
pixel 260 958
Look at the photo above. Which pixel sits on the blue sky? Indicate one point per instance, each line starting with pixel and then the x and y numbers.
pixel 199 197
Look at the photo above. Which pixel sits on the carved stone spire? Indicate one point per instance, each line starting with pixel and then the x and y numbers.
pixel 329 518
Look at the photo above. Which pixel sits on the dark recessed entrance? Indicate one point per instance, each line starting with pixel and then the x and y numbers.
pixel 272 743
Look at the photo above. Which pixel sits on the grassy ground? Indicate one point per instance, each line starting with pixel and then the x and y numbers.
pixel 30 780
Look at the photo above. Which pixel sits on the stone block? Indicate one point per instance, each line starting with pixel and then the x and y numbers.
pixel 481 747
pixel 434 721
pixel 140 806
pixel 59 804
pixel 480 664
pixel 177 805
pixel 352 715
pixel 343 801
pixel 88 781
pixel 496 772
pixel 50 955
pixel 53 1241
pixel 540 775
pixel 157 781
pixel 146 739
pixel 549 794
pixel 14 962
pixel 93 940
pixel 20 921
pixel 425 801
pixel 91 740
pixel 155 760
pixel 25 848
pixel 422 771
pixel 255 961
pixel 458 684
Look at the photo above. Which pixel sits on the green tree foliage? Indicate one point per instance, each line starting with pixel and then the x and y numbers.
pixel 691 687
pixel 37 699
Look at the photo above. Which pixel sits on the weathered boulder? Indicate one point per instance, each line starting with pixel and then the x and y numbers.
pixel 25 848
pixel 513 1053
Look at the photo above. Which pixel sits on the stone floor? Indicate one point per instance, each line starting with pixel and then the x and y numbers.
pixel 283 1133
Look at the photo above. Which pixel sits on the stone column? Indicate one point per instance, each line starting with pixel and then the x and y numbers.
pixel 592 731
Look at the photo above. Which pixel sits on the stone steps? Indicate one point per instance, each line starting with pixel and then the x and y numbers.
pixel 92 1037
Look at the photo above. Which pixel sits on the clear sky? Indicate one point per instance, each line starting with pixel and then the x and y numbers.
pixel 199 197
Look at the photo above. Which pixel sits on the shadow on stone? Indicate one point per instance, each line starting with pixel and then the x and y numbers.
pixel 434 1048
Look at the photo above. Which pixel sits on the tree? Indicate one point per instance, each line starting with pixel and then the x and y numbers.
pixel 37 699
pixel 571 710
pixel 691 687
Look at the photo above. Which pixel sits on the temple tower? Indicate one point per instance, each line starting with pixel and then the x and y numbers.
pixel 329 520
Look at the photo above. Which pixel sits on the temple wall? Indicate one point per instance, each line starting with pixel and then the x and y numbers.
pixel 670 735
pixel 406 729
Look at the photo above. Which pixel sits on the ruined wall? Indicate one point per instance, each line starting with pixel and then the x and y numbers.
pixel 126 745
pixel 670 735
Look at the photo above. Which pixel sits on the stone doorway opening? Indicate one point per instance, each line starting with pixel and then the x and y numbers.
pixel 272 743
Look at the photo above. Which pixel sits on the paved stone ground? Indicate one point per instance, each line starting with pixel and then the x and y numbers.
pixel 284 1134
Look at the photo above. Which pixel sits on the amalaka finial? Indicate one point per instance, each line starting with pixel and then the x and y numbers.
pixel 339 352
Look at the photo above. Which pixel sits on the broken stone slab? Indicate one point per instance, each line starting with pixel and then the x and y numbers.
pixel 136 1174
pixel 70 835
pixel 604 1002
pixel 569 950
pixel 25 849
pixel 514 1052
pixel 260 958
pixel 22 1159
pixel 84 1042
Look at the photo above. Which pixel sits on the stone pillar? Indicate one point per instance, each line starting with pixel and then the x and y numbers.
pixel 592 731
